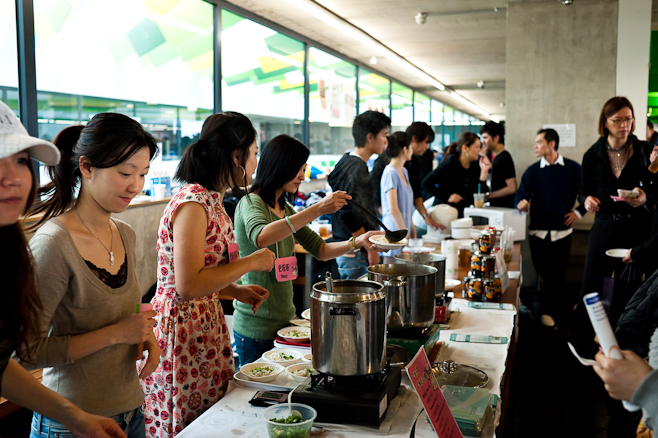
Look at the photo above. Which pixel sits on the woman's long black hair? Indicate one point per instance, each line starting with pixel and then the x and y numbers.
pixel 280 162
pixel 19 302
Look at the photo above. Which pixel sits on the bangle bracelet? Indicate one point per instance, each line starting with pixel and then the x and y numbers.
pixel 292 228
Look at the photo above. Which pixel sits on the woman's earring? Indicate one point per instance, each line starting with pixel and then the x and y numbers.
pixel 244 172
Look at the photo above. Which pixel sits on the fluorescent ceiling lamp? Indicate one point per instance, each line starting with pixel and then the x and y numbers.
pixel 468 103
pixel 349 30
pixel 494 119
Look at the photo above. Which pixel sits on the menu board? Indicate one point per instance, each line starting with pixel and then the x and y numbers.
pixel 425 384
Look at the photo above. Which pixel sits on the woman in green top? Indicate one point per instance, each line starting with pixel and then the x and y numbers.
pixel 265 218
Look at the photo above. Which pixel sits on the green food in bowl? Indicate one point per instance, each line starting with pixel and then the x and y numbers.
pixel 296 425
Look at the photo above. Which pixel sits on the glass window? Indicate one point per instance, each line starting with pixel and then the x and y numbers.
pixel 151 61
pixel 421 108
pixel 8 55
pixel 402 114
pixel 332 107
pixel 374 92
pixel 262 77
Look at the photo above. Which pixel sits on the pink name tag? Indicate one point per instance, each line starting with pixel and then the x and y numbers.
pixel 233 252
pixel 286 268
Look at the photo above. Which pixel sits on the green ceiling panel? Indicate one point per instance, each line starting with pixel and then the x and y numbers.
pixel 193 12
pixel 120 49
pixel 194 46
pixel 56 11
pixel 162 54
pixel 229 19
pixel 145 36
pixel 283 45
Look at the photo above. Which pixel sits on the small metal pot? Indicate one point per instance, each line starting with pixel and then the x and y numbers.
pixel 435 260
pixel 348 328
pixel 409 294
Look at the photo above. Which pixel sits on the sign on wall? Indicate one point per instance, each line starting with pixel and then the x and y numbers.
pixel 566 132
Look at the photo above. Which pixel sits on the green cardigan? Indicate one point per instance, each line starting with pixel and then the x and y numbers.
pixel 251 216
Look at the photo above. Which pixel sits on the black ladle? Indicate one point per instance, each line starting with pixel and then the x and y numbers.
pixel 391 236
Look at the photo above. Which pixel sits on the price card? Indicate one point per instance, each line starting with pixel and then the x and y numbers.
pixel 425 384
pixel 286 268
pixel 233 252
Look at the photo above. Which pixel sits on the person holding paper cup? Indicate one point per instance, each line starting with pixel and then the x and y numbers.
pixel 618 160
pixel 198 264
pixel 90 335
pixel 266 219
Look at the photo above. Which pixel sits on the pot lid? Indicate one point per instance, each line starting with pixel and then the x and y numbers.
pixel 349 291
pixel 449 372
pixel 418 257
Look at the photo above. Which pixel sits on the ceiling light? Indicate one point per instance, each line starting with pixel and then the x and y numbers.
pixel 468 103
pixel 480 84
pixel 567 2
pixel 372 60
pixel 358 35
pixel 421 18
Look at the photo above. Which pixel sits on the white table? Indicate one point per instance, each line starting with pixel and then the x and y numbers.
pixel 233 416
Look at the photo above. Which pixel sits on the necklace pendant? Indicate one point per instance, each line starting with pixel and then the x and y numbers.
pixel 111 259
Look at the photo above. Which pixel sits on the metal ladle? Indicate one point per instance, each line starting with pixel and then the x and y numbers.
pixel 391 236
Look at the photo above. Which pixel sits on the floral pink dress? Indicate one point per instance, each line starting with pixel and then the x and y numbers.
pixel 197 360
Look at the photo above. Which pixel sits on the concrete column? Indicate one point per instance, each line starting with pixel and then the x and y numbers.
pixel 633 41
pixel 561 68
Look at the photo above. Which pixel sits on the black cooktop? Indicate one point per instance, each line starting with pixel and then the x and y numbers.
pixel 350 399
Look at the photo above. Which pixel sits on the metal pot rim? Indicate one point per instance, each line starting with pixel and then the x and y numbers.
pixel 421 270
pixel 320 292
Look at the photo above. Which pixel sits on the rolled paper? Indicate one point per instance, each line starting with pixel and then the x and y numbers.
pixel 604 333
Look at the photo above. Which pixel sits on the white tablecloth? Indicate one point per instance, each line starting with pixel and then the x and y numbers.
pixel 234 417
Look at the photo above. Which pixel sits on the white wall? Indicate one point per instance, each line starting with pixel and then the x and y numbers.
pixel 633 41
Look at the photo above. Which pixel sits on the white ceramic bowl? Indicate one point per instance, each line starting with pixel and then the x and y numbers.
pixel 450 284
pixel 297 367
pixel 381 242
pixel 308 358
pixel 276 369
pixel 279 356
pixel 306 314
pixel 295 334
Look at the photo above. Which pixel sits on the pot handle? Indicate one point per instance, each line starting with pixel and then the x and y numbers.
pixel 393 282
pixel 348 311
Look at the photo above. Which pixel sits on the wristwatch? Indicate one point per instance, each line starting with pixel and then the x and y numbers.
pixel 351 244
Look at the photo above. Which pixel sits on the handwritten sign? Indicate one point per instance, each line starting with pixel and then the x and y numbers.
pixel 286 268
pixel 425 384
pixel 566 132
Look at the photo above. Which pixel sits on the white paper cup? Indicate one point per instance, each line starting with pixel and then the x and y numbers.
pixel 159 191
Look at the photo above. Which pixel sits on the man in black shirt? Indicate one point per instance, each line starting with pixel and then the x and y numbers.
pixel 421 136
pixel 351 174
pixel 503 174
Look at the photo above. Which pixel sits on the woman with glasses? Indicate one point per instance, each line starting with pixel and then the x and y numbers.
pixel 618 160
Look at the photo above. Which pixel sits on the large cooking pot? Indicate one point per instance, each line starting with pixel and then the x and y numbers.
pixel 435 260
pixel 409 294
pixel 348 328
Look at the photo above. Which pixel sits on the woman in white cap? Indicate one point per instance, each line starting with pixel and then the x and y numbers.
pixel 19 301
pixel 90 333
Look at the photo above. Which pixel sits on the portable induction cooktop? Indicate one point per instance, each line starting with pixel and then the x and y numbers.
pixel 360 400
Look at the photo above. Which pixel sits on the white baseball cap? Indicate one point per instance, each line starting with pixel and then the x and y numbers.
pixel 14 138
